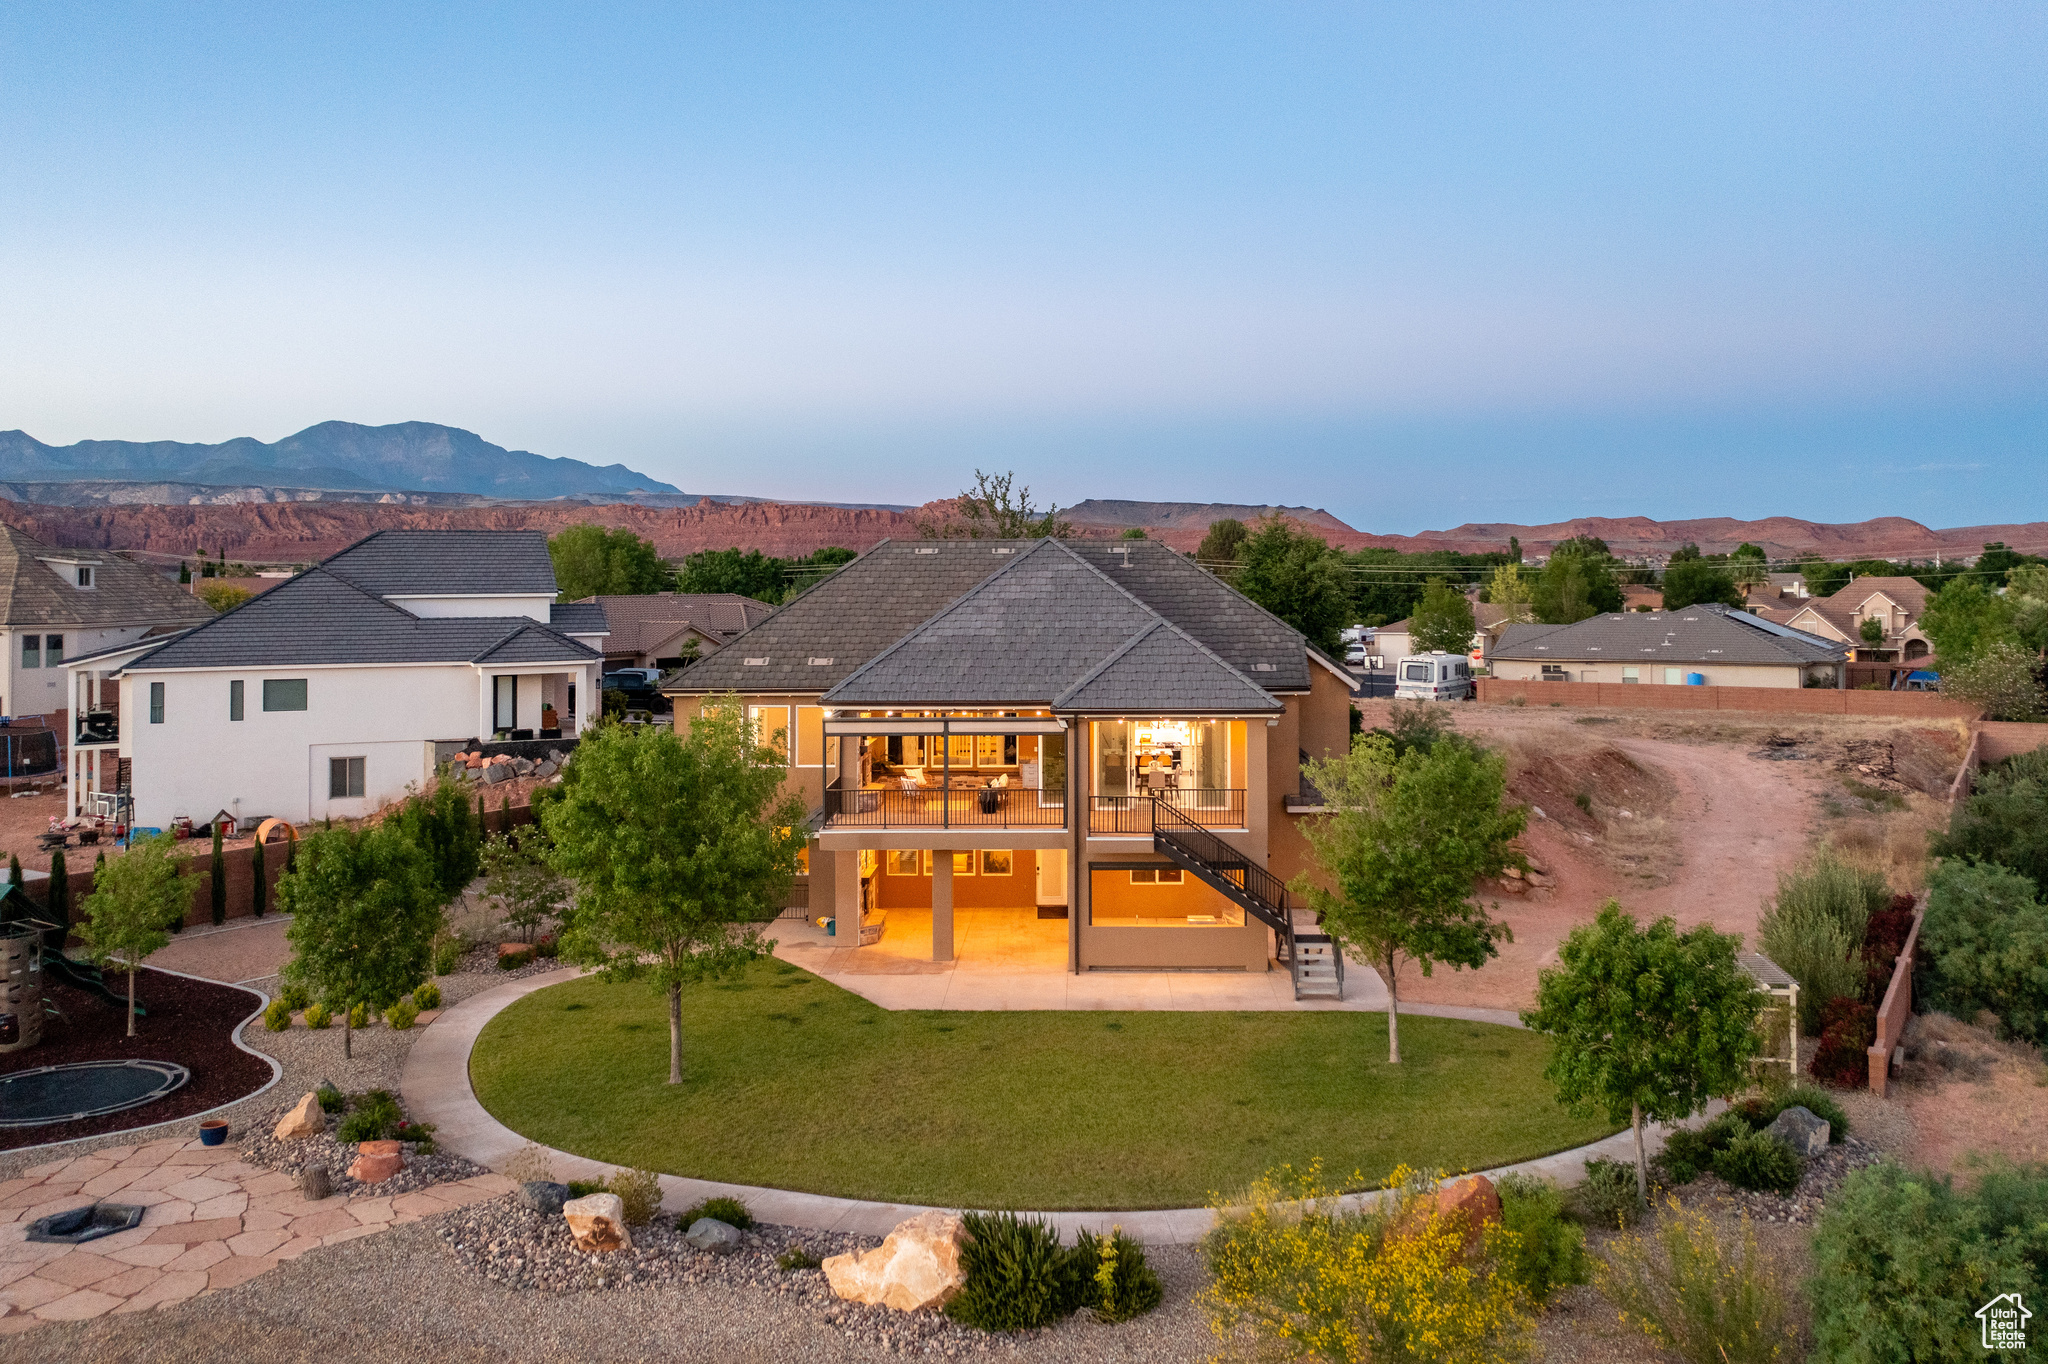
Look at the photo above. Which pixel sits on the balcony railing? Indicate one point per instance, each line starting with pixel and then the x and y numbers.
pixel 981 807
pixel 1211 807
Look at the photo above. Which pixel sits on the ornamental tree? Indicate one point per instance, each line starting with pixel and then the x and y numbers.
pixel 365 910
pixel 1443 623
pixel 134 899
pixel 678 847
pixel 1648 1023
pixel 1405 839
pixel 519 882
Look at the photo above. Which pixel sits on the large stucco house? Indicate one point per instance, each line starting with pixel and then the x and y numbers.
pixel 1894 606
pixel 1100 733
pixel 334 691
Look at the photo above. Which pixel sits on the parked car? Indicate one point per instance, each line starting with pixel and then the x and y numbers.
pixel 1434 677
pixel 1355 655
pixel 636 687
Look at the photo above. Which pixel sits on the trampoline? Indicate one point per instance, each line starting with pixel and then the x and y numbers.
pixel 85 1089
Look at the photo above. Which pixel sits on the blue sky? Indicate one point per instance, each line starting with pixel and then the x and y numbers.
pixel 1419 265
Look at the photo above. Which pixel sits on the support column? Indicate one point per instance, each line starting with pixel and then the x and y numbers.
pixel 942 905
pixel 846 911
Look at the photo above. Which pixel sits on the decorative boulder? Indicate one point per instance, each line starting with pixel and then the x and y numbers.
pixel 598 1222
pixel 916 1267
pixel 1802 1130
pixel 544 1195
pixel 305 1120
pixel 712 1236
pixel 377 1161
pixel 1472 1202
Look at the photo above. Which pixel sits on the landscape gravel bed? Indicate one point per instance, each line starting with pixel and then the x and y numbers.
pixel 509 1243
pixel 259 1147
pixel 483 961
pixel 1824 1174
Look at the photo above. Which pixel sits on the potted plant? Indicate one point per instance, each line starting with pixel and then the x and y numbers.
pixel 213 1131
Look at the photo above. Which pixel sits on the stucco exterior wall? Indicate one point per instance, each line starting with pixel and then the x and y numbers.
pixel 42 690
pixel 1652 672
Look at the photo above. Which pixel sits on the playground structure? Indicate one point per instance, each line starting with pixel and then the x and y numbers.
pixel 28 960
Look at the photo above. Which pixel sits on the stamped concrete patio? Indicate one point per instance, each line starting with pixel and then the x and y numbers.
pixel 209 1222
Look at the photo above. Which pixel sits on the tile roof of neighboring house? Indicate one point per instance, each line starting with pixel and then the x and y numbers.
pixel 1909 593
pixel 579 617
pixel 329 617
pixel 641 623
pixel 35 592
pixel 448 563
pixel 1049 627
pixel 1694 634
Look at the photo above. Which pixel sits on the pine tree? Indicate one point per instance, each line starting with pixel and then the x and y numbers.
pixel 14 876
pixel 220 878
pixel 184 572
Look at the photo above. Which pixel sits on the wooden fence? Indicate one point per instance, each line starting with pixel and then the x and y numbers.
pixel 1896 1009
pixel 1751 700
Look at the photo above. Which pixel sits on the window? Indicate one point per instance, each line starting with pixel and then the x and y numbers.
pixel 344 778
pixel 235 699
pixel 771 728
pixel 284 693
pixel 995 750
pixel 1415 672
pixel 963 863
pixel 1631 675
pixel 53 650
pixel 1674 677
pixel 156 703
pixel 31 651
pixel 85 575
pixel 903 862
pixel 960 750
pixel 1158 876
pixel 996 861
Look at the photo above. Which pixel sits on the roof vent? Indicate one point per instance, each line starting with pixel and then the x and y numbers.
pixel 933 550
pixel 755 662
pixel 1264 668
pixel 1011 550
pixel 820 662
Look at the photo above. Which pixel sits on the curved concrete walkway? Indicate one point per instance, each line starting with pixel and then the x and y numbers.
pixel 436 1088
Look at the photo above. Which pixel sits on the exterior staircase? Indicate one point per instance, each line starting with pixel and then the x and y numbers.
pixel 1315 961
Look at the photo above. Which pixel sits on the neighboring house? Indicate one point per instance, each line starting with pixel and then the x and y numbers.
pixel 666 630
pixel 1896 604
pixel 58 603
pixel 1641 597
pixel 1392 642
pixel 337 689
pixel 1100 732
pixel 1720 647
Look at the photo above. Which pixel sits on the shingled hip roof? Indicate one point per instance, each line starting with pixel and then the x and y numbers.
pixel 34 590
pixel 1703 634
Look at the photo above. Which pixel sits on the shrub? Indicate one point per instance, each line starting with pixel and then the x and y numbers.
pixel 640 1191
pixel 529 1164
pixel 277 1015
pixel 402 1015
pixel 584 1188
pixel 1985 940
pixel 547 947
pixel 1848 1027
pixel 1759 1161
pixel 1120 1285
pixel 427 996
pixel 1018 1275
pixel 1903 1260
pixel 2004 680
pixel 1814 929
pixel 374 1118
pixel 294 996
pixel 2005 820
pixel 730 1211
pixel 796 1257
pixel 359 1016
pixel 1607 1197
pixel 1884 937
pixel 420 1133
pixel 318 1016
pixel 331 1099
pixel 1690 1150
pixel 512 961
pixel 1816 1101
pixel 447 952
pixel 1549 1250
pixel 1305 1277
pixel 1709 1299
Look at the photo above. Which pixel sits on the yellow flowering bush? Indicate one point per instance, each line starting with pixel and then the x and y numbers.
pixel 1297 1275
pixel 1710 1298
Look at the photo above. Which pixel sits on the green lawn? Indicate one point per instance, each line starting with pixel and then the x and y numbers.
pixel 794 1083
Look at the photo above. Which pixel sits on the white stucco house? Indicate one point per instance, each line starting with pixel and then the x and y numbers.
pixel 328 694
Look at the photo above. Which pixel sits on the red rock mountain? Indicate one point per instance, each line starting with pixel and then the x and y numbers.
pixel 299 532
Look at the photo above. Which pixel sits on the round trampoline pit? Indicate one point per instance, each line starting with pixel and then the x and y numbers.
pixel 85 1089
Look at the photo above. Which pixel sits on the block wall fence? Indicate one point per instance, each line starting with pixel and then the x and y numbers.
pixel 1753 700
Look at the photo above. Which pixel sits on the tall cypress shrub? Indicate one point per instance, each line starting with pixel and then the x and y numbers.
pixel 258 890
pixel 59 896
pixel 220 878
